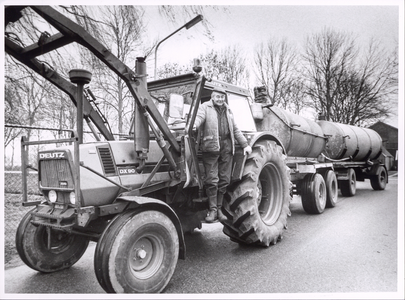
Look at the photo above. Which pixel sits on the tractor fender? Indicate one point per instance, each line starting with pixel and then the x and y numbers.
pixel 146 203
pixel 239 158
pixel 263 136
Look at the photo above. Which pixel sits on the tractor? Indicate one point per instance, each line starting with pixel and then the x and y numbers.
pixel 137 196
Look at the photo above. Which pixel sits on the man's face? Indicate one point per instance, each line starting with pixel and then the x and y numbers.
pixel 218 98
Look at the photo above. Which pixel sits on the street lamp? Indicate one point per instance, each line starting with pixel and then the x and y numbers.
pixel 188 25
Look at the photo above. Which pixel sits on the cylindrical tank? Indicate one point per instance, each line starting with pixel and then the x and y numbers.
pixel 346 141
pixel 301 137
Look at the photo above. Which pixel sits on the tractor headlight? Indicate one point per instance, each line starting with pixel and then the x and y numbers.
pixel 72 197
pixel 52 196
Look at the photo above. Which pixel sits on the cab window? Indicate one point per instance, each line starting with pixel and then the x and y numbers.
pixel 241 111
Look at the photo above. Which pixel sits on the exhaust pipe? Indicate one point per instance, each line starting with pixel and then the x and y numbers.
pixel 141 127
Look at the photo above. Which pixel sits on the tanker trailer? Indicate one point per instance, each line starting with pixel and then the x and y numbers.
pixel 323 156
pixel 357 154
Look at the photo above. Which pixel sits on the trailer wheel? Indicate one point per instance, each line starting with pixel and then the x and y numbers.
pixel 32 246
pixel 137 253
pixel 379 181
pixel 257 207
pixel 348 187
pixel 331 189
pixel 313 194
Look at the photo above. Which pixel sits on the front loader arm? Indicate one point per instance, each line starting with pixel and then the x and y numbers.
pixel 25 57
pixel 139 91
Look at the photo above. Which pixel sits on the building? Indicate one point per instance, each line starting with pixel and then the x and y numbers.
pixel 389 135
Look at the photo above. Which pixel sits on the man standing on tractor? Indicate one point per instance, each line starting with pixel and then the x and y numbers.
pixel 219 132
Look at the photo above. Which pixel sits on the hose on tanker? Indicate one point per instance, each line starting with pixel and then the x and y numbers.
pixel 336 160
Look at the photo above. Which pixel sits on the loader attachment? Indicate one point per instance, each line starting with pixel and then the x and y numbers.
pixel 70 32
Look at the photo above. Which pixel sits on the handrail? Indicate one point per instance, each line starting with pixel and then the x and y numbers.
pixel 76 164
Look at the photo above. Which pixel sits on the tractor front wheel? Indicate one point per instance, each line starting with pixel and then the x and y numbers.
pixel 48 250
pixel 137 253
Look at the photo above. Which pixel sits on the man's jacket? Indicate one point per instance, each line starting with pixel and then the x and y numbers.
pixel 208 121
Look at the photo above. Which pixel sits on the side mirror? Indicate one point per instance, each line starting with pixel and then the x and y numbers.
pixel 257 111
pixel 176 106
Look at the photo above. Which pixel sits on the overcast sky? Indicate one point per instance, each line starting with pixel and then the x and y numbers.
pixel 252 23
pixel 248 23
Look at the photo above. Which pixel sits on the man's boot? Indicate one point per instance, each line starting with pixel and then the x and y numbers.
pixel 212 216
pixel 212 204
pixel 221 216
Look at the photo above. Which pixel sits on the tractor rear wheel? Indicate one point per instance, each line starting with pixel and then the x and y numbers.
pixel 257 207
pixel 137 253
pixel 48 250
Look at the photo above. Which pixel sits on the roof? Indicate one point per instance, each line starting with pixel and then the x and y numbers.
pixel 384 124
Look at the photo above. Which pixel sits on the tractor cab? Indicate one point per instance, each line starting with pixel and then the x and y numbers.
pixel 178 98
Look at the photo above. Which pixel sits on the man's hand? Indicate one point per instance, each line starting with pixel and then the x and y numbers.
pixel 194 129
pixel 247 150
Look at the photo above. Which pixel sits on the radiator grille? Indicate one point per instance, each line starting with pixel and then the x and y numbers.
pixel 56 174
pixel 107 161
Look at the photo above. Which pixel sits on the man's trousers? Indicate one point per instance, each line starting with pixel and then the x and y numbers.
pixel 218 168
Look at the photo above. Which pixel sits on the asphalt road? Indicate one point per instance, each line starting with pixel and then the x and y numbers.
pixel 351 248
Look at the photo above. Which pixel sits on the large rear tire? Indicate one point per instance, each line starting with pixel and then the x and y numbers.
pixel 137 253
pixel 63 251
pixel 257 207
pixel 348 187
pixel 379 181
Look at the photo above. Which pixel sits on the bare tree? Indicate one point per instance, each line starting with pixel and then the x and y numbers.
pixel 293 97
pixel 373 84
pixel 171 69
pixel 33 94
pixel 119 28
pixel 12 111
pixel 344 84
pixel 328 55
pixel 228 64
pixel 25 99
pixel 276 66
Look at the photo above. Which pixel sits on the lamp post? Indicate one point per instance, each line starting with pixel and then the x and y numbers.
pixel 188 25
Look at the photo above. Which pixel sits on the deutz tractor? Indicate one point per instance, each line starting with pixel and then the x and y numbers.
pixel 135 197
